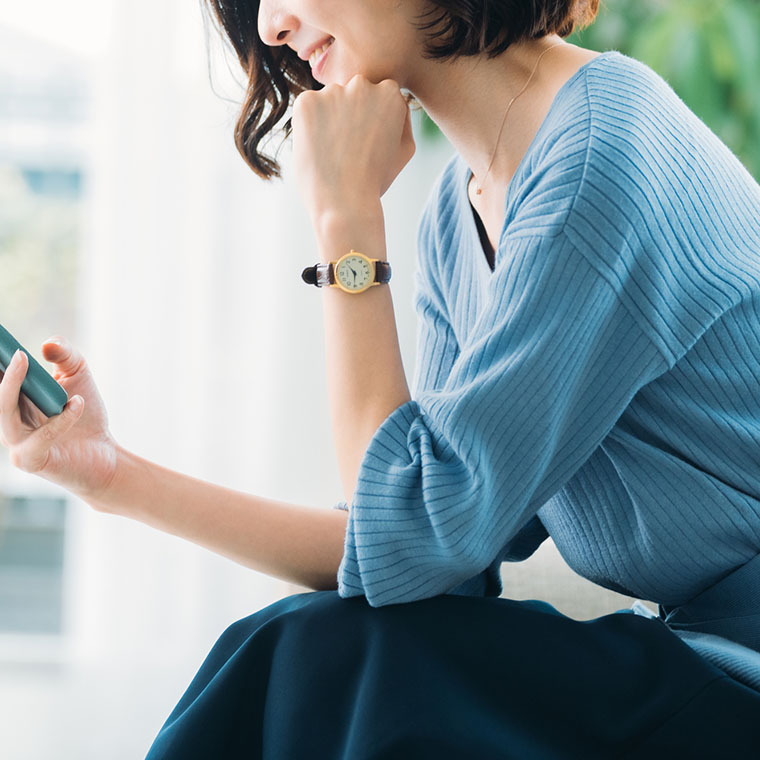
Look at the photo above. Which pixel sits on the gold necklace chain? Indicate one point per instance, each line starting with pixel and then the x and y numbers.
pixel 504 120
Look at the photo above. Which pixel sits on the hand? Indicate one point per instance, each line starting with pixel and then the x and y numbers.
pixel 350 142
pixel 73 449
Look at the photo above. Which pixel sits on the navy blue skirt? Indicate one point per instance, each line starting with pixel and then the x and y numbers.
pixel 317 676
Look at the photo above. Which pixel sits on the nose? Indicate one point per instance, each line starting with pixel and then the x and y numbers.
pixel 276 26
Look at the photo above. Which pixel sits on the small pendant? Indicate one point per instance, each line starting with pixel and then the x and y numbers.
pixel 477 192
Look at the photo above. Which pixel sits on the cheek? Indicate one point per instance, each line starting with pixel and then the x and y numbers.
pixel 368 57
pixel 374 62
pixel 349 61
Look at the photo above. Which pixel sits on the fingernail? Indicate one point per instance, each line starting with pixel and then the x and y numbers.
pixel 17 355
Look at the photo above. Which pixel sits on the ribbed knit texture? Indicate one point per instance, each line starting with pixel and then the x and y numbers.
pixel 601 385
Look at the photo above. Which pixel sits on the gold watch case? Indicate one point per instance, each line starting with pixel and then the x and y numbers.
pixel 354 273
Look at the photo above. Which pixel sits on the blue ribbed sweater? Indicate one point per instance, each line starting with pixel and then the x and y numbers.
pixel 600 385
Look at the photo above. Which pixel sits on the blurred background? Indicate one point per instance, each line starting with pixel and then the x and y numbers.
pixel 130 225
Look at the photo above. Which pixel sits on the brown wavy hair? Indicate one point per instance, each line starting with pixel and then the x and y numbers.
pixel 458 28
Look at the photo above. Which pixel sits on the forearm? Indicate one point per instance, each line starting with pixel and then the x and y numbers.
pixel 299 544
pixel 365 374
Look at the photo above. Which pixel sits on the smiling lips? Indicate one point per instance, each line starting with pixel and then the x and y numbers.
pixel 315 56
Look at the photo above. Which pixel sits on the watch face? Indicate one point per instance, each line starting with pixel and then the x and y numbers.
pixel 354 273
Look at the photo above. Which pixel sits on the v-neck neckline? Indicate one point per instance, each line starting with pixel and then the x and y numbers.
pixel 475 222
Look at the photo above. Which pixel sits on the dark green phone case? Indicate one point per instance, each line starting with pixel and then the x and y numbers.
pixel 39 386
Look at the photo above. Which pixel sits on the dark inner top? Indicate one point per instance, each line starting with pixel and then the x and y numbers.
pixel 484 241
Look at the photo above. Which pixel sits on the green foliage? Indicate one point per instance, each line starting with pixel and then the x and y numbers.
pixel 707 50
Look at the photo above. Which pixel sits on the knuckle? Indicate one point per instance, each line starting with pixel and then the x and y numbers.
pixel 47 433
pixel 303 100
pixel 297 107
pixel 25 461
pixel 16 460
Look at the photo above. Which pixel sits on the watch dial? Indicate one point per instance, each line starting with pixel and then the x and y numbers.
pixel 354 273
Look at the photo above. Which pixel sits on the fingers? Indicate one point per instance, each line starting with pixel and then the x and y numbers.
pixel 31 455
pixel 29 450
pixel 60 352
pixel 10 387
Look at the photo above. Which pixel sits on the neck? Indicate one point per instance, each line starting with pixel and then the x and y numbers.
pixel 467 99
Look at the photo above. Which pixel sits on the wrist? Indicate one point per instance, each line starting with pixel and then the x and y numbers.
pixel 109 497
pixel 354 223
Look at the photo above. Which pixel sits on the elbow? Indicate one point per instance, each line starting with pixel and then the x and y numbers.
pixel 326 584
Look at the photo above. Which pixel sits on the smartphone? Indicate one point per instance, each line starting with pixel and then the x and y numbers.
pixel 39 386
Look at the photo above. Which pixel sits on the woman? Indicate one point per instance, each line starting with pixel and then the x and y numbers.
pixel 587 292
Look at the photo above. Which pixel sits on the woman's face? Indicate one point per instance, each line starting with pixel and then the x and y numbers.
pixel 375 38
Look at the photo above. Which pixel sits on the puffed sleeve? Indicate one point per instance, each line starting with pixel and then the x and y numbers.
pixel 437 350
pixel 452 476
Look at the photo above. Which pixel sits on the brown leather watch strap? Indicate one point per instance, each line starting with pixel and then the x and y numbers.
pixel 323 275
pixel 382 271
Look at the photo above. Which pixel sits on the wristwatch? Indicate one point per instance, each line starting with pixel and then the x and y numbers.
pixel 353 273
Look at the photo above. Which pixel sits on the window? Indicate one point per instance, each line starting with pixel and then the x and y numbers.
pixel 31 563
pixel 44 104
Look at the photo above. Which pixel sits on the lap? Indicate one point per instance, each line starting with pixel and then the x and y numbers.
pixel 314 675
